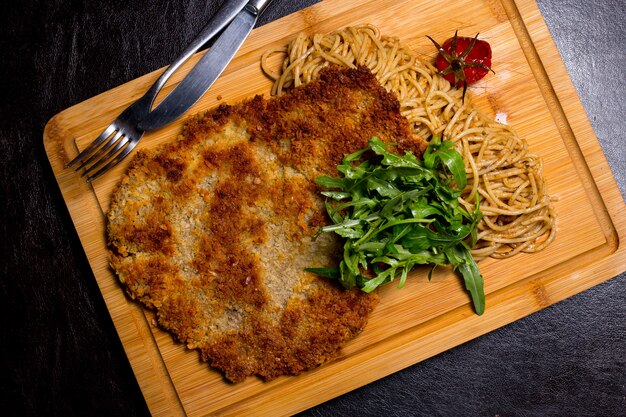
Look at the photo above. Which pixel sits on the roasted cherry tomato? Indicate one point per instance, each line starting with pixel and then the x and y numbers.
pixel 463 60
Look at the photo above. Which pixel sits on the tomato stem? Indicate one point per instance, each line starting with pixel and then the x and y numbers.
pixel 467 65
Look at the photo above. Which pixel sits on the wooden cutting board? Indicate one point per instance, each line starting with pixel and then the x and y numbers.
pixel 531 87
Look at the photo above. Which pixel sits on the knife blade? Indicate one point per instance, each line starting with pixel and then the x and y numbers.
pixel 207 70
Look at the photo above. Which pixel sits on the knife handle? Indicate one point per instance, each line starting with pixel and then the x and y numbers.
pixel 256 7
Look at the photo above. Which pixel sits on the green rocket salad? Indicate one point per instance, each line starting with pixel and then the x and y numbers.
pixel 396 212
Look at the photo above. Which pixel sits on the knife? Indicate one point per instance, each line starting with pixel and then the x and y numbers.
pixel 207 70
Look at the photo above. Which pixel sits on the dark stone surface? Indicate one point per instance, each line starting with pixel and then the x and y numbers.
pixel 61 355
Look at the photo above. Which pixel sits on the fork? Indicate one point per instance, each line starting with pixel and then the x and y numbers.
pixel 122 135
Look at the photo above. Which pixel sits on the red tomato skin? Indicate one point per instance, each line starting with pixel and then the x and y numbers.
pixel 480 53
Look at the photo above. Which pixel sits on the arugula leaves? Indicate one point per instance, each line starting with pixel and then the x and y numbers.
pixel 400 212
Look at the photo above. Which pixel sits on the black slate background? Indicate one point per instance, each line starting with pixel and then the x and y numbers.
pixel 61 355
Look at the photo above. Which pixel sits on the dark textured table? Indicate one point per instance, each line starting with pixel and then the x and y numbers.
pixel 61 353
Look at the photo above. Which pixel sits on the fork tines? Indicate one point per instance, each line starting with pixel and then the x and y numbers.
pixel 103 153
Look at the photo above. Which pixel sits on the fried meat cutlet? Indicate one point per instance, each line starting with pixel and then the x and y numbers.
pixel 214 230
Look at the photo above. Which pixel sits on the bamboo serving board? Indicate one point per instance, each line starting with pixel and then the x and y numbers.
pixel 531 88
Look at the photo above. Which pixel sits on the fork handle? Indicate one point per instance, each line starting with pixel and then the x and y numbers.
pixel 219 21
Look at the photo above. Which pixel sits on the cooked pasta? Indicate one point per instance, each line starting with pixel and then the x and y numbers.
pixel 502 173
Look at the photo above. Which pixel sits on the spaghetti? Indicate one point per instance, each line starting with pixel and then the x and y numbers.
pixel 518 215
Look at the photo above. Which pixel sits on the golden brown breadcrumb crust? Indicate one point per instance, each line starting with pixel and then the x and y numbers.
pixel 214 230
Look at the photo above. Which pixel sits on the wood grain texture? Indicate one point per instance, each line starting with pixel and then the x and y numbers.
pixel 531 86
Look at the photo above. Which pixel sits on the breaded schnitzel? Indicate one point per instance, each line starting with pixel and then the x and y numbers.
pixel 214 230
